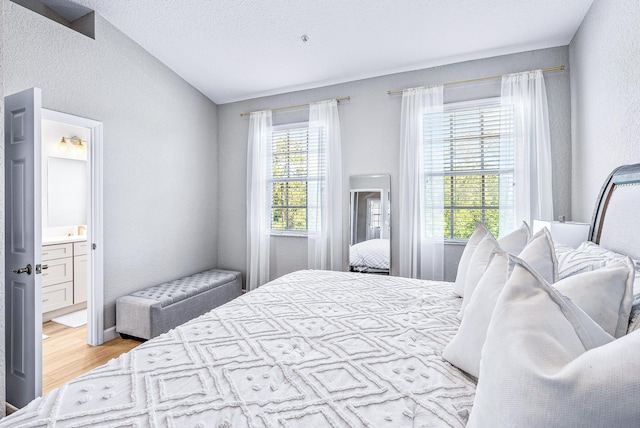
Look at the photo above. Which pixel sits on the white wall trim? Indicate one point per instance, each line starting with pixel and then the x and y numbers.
pixel 110 334
pixel 95 293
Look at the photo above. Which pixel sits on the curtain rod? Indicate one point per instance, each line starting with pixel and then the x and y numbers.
pixel 398 91
pixel 299 105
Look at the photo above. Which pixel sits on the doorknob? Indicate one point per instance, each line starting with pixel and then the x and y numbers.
pixel 26 270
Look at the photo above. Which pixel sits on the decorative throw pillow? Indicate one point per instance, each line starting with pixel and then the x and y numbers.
pixel 514 242
pixel 483 252
pixel 596 250
pixel 605 294
pixel 464 349
pixel 608 257
pixel 477 266
pixel 472 243
pixel 572 261
pixel 542 256
pixel 546 363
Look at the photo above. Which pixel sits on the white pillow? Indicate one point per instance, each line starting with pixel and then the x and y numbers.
pixel 463 351
pixel 542 256
pixel 477 266
pixel 547 263
pixel 572 261
pixel 472 243
pixel 605 294
pixel 514 242
pixel 596 250
pixel 608 257
pixel 546 363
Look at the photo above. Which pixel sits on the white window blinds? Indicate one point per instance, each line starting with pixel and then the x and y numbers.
pixel 294 152
pixel 470 149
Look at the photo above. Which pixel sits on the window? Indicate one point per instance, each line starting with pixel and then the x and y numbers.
pixel 467 140
pixel 289 178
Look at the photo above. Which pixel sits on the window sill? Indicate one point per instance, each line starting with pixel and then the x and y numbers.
pixel 462 242
pixel 289 234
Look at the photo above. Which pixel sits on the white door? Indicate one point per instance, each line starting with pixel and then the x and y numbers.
pixel 23 247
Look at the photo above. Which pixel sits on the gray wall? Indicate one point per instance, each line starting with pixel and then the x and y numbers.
pixel 160 173
pixel 605 98
pixel 370 125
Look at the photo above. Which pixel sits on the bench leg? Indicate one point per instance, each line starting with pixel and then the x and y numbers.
pixel 129 337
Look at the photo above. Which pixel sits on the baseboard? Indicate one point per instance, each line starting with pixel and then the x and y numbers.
pixel 110 334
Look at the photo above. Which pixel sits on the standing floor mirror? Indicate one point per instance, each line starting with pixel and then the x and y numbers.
pixel 369 246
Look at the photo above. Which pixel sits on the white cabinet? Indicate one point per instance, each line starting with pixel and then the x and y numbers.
pixel 64 275
pixel 57 296
pixel 56 251
pixel 57 276
pixel 57 271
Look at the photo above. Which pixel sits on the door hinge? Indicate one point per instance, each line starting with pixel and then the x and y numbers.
pixel 94 246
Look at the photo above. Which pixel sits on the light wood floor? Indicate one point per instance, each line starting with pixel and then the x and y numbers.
pixel 66 354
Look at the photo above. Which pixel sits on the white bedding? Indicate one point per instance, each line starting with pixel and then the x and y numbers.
pixel 311 349
pixel 373 253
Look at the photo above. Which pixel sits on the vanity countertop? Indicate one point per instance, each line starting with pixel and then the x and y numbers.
pixel 63 239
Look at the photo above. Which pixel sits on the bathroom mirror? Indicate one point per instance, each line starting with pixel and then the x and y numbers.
pixel 67 192
pixel 369 246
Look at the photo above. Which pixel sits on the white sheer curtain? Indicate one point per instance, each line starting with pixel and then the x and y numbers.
pixel 324 191
pixel 258 202
pixel 525 98
pixel 421 202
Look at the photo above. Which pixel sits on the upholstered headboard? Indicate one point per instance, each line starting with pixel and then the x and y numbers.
pixel 616 219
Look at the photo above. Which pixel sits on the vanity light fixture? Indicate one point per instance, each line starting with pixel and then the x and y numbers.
pixel 80 145
pixel 62 145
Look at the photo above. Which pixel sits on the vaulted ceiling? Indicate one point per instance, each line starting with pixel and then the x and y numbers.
pixel 239 49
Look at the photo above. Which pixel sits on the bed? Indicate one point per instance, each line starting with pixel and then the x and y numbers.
pixel 317 348
pixel 371 256
pixel 310 349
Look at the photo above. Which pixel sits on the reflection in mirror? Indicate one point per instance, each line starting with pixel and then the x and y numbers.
pixel 67 192
pixel 369 246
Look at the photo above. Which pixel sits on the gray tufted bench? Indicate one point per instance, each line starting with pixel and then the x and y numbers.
pixel 157 309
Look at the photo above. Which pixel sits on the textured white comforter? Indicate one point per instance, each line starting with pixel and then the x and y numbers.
pixel 311 349
pixel 373 253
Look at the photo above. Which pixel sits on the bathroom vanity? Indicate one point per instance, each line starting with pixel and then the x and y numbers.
pixel 64 275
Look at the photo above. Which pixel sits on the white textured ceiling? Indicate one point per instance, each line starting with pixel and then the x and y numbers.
pixel 239 49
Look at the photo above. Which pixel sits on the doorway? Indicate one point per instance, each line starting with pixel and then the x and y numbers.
pixel 72 219
pixel 65 176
